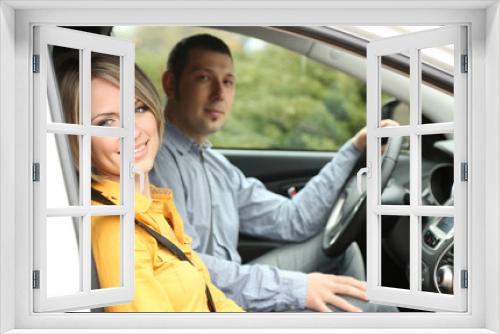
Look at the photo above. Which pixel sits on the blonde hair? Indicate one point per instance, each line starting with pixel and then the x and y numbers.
pixel 106 67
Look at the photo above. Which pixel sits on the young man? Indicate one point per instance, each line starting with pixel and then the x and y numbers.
pixel 217 202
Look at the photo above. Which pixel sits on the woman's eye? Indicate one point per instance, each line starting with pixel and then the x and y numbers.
pixel 105 122
pixel 141 109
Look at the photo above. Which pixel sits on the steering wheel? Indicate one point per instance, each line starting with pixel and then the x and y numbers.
pixel 349 212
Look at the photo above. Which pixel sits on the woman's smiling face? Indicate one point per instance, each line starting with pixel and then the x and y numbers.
pixel 105 104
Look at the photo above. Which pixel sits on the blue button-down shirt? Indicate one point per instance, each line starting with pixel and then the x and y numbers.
pixel 215 198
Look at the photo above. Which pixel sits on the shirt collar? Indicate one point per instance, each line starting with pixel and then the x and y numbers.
pixel 175 137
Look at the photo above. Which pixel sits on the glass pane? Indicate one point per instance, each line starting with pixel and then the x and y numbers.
pixel 106 252
pixel 395 252
pixel 396 110
pixel 106 161
pixel 438 110
pixel 440 185
pixel 63 86
pixel 63 255
pixel 437 170
pixel 437 254
pixel 105 93
pixel 397 188
pixel 395 86
pixel 62 179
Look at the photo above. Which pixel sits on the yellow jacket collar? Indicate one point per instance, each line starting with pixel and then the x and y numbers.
pixel 111 190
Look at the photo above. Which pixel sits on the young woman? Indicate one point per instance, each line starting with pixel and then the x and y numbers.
pixel 163 281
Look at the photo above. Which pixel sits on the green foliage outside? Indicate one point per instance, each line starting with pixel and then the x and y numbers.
pixel 283 100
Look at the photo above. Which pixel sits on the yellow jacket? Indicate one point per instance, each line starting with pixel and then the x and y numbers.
pixel 163 282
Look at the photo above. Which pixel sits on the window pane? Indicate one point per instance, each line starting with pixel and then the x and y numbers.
pixel 397 110
pixel 397 189
pixel 59 84
pixel 105 93
pixel 437 170
pixel 106 161
pixel 395 269
pixel 437 254
pixel 442 59
pixel 106 251
pixel 397 84
pixel 439 190
pixel 62 179
pixel 63 255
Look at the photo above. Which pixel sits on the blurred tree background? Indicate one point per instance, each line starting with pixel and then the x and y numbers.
pixel 283 100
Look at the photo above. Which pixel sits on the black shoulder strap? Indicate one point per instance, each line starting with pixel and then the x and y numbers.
pixel 98 197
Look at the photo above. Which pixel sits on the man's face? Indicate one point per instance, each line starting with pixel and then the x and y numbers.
pixel 203 99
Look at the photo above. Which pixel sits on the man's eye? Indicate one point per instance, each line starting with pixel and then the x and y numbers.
pixel 204 77
pixel 228 83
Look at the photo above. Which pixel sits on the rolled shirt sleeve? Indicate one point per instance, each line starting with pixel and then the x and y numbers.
pixel 268 215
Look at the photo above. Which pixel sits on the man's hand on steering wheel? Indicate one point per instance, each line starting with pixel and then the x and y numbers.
pixel 359 140
pixel 349 212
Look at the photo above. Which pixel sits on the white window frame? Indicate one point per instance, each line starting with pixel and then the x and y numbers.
pixel 85 43
pixel 414 296
pixel 16 21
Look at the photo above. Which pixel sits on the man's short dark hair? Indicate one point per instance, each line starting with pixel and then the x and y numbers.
pixel 178 58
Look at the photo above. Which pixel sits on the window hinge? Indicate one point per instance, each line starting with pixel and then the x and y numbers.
pixel 36 279
pixel 36 63
pixel 464 171
pixel 36 172
pixel 465 64
pixel 465 279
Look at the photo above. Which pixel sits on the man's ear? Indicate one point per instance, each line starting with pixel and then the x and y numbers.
pixel 168 81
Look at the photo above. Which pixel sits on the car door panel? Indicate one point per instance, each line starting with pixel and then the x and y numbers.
pixel 279 170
